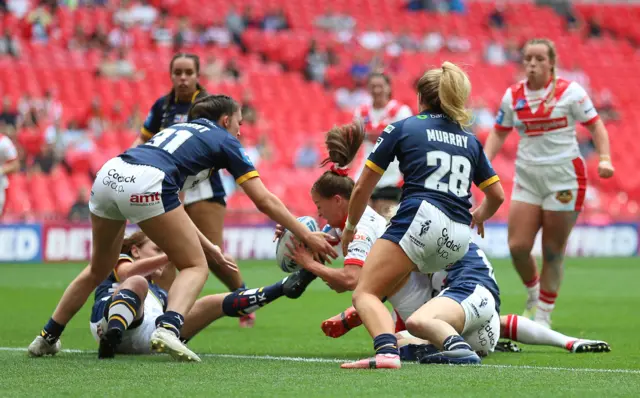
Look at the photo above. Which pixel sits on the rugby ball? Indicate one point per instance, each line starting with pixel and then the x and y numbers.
pixel 285 263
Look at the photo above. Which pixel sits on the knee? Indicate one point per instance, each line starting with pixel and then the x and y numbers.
pixel 137 284
pixel 415 325
pixel 552 252
pixel 520 247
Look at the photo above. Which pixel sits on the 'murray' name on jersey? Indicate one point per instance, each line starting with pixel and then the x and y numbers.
pixel 447 138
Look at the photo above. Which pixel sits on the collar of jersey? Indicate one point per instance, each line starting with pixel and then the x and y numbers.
pixel 193 97
pixel 206 122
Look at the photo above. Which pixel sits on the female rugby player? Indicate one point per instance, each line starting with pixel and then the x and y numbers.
pixel 431 230
pixel 205 203
pixel 142 186
pixel 550 180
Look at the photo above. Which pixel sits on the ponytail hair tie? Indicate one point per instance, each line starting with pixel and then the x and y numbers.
pixel 341 171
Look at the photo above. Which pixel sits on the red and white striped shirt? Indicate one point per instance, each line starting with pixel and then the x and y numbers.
pixel 547 132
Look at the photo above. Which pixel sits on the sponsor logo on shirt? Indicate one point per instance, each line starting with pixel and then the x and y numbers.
pixel 536 127
pixel 145 199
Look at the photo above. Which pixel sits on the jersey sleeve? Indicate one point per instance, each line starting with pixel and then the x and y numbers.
pixel 484 174
pixel 121 260
pixel 383 152
pixel 151 125
pixel 359 248
pixel 7 149
pixel 582 107
pixel 238 162
pixel 504 118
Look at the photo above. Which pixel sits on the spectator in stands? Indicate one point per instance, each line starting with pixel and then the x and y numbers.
pixel 594 28
pixel 28 111
pixel 307 156
pixel 118 68
pixel 275 20
pixel 232 70
pixel 513 51
pixel 495 53
pixel 80 209
pixel 332 56
pixel 184 36
pixel 497 17
pixel 483 117
pixel 94 119
pixel 9 45
pixel 213 70
pixel 316 63
pixel 161 34
pixel 249 19
pixel 120 36
pixel 78 41
pixel 456 43
pixel 99 39
pixel 47 159
pixel 248 109
pixel 41 20
pixel 236 25
pixel 51 107
pixel 138 13
pixel 118 117
pixel 406 41
pixel 360 69
pixel 373 39
pixel 8 116
pixel 334 22
pixel 218 34
pixel 432 42
pixel 135 119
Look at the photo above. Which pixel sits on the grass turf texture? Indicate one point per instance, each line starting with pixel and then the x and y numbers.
pixel 597 300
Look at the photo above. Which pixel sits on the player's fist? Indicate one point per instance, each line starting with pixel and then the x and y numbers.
pixel 605 169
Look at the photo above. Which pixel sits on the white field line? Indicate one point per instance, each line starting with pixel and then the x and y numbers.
pixel 329 360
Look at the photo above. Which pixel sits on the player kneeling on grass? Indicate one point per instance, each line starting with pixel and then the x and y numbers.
pixel 467 298
pixel 128 302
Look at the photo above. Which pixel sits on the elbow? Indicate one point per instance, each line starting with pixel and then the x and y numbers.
pixel 265 203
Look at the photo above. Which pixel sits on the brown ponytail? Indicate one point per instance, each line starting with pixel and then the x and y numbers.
pixel 137 239
pixel 343 143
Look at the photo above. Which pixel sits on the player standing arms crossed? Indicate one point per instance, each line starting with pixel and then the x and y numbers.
pixel 376 115
pixel 142 186
pixel 9 163
pixel 431 230
pixel 205 203
pixel 551 179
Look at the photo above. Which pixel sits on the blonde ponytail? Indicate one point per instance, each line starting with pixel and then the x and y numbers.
pixel 447 89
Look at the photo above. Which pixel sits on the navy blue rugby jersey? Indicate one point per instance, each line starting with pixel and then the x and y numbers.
pixel 164 113
pixel 189 152
pixel 438 159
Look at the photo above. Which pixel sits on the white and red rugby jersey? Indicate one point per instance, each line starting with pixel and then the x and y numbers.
pixel 547 131
pixel 8 153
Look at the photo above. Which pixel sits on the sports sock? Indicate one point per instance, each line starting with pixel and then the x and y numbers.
pixel 386 343
pixel 52 331
pixel 455 342
pixel 123 309
pixel 546 303
pixel 526 331
pixel 172 321
pixel 243 302
pixel 533 291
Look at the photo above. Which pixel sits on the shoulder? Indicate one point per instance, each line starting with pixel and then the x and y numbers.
pixel 160 103
pixel 571 88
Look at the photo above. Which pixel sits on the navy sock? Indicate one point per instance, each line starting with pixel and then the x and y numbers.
pixel 243 302
pixel 386 343
pixel 172 321
pixel 123 309
pixel 455 342
pixel 52 331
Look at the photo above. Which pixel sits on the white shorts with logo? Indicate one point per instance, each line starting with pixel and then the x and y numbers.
pixel 210 189
pixel 482 321
pixel 428 236
pixel 124 191
pixel 560 187
pixel 138 339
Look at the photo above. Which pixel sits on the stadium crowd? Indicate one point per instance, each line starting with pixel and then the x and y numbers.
pixel 91 69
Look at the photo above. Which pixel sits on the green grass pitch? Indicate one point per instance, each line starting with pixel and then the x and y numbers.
pixel 286 353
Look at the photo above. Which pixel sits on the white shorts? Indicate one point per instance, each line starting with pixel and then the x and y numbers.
pixel 209 189
pixel 413 295
pixel 136 340
pixel 560 187
pixel 124 191
pixel 428 236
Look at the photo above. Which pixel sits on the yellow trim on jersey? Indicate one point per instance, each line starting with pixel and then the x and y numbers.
pixel 123 257
pixel 374 167
pixel 489 181
pixel 247 177
pixel 146 133
pixel 195 95
pixel 121 319
pixel 125 303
